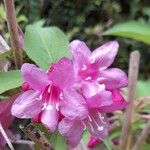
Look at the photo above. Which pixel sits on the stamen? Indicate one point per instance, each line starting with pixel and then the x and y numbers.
pixel 57 106
pixel 90 118
pixel 88 78
pixel 44 106
pixel 61 96
pixel 100 128
pixel 39 98
pixel 49 89
pixel 102 118
pixel 49 107
pixel 91 127
pixel 84 67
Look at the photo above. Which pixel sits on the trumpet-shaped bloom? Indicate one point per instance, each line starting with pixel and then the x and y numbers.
pixel 99 86
pixel 94 65
pixel 99 101
pixel 45 91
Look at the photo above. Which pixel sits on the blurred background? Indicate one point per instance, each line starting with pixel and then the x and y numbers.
pixel 87 20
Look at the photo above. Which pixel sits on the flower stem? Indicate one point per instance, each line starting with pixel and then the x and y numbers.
pixel 2 131
pixel 13 30
pixel 132 76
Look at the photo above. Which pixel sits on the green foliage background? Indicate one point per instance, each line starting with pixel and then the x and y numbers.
pixel 86 20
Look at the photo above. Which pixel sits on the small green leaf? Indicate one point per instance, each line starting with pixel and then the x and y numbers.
pixel 132 29
pixel 10 80
pixel 45 45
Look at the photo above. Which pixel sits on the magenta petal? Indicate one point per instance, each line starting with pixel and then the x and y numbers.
pixel 118 103
pixel 78 46
pixel 26 105
pixel 73 105
pixel 35 77
pixel 90 89
pixel 72 130
pixel 105 54
pixel 81 54
pixel 50 117
pixel 104 98
pixel 113 78
pixel 62 74
pixel 97 125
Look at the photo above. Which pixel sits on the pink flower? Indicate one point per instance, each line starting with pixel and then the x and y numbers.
pixel 46 92
pixel 94 66
pixel 99 87
pixel 98 102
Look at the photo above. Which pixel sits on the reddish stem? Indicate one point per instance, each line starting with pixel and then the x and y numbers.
pixel 13 30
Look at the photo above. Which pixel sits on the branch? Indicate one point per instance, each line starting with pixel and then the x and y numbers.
pixel 142 137
pixel 132 76
pixel 37 136
pixel 2 131
pixel 13 30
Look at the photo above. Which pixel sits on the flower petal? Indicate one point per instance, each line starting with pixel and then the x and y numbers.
pixel 102 99
pixel 118 103
pixel 73 105
pixel 105 54
pixel 35 77
pixel 49 118
pixel 97 125
pixel 62 74
pixel 26 105
pixel 113 78
pixel 93 88
pixel 72 130
pixel 78 46
pixel 81 55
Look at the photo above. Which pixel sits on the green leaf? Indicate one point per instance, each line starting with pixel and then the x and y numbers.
pixel 58 141
pixel 142 88
pixel 45 45
pixel 132 29
pixel 10 80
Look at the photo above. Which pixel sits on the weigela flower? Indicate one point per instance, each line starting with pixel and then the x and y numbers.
pixel 94 65
pixel 82 90
pixel 99 86
pixel 46 92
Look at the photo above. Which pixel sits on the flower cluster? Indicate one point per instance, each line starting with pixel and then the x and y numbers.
pixel 75 93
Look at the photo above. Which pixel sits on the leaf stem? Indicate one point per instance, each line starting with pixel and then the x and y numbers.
pixel 13 30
